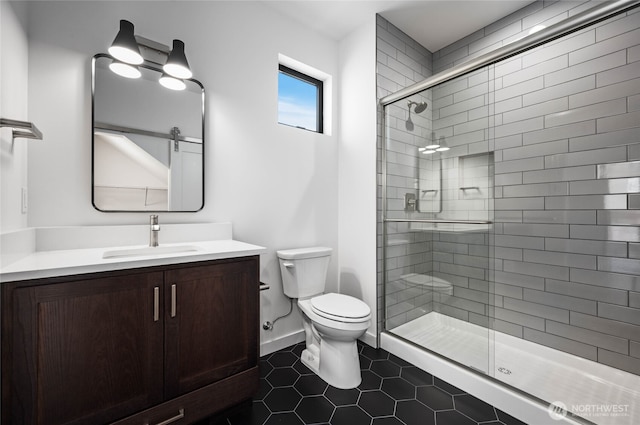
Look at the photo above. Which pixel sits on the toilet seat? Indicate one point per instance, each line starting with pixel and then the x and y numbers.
pixel 339 307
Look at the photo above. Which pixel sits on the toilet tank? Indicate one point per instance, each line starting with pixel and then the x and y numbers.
pixel 304 271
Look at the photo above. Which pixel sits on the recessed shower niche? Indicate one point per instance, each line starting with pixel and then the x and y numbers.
pixel 456 188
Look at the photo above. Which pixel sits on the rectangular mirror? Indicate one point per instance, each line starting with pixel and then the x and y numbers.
pixel 148 142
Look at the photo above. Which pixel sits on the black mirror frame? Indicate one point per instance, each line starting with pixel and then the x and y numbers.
pixel 158 68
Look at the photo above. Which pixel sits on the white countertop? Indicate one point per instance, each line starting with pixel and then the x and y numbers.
pixel 78 261
pixel 50 254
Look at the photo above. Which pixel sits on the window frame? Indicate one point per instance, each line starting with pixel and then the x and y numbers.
pixel 319 85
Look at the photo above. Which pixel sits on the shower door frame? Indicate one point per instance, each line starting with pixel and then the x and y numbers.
pixel 560 29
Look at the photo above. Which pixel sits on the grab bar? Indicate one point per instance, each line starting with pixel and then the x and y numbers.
pixel 403 220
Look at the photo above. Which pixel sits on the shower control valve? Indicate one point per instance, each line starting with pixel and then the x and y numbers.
pixel 410 202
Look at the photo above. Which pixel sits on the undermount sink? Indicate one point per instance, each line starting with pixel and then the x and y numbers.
pixel 149 251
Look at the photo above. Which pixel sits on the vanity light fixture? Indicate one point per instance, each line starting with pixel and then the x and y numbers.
pixel 172 83
pixel 434 147
pixel 443 147
pixel 125 50
pixel 125 47
pixel 177 65
pixel 125 70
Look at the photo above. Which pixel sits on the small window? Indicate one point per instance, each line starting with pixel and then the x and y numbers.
pixel 299 100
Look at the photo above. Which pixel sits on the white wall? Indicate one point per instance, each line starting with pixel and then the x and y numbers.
pixel 357 168
pixel 278 185
pixel 13 105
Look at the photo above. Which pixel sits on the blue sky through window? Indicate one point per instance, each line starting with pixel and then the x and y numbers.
pixel 297 102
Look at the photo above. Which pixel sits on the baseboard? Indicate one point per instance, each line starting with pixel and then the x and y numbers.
pixel 369 339
pixel 274 345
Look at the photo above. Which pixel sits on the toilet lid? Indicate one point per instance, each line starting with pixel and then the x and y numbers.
pixel 340 307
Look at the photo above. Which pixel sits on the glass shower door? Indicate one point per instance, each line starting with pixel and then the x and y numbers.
pixel 438 210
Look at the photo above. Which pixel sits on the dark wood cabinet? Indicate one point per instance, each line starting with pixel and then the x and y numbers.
pixel 135 346
pixel 212 332
pixel 86 351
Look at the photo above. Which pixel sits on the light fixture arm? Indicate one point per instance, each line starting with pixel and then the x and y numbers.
pixel 154 52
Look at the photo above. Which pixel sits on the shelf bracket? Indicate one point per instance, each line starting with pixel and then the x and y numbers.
pixel 22 129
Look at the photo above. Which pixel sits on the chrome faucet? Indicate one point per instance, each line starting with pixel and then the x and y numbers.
pixel 154 228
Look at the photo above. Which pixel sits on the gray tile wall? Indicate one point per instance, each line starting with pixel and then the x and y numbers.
pixel 566 134
pixel 564 131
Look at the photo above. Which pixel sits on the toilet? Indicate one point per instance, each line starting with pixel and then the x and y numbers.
pixel 332 322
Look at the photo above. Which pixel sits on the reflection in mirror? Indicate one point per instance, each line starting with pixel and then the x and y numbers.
pixel 148 142
pixel 430 184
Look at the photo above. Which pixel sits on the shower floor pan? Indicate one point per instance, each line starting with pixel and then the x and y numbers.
pixel 599 393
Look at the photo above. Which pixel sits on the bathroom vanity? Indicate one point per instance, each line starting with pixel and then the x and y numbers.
pixel 152 340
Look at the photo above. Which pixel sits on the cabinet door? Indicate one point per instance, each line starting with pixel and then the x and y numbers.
pixel 211 322
pixel 85 352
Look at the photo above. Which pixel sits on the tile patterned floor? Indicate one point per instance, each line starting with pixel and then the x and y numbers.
pixel 392 392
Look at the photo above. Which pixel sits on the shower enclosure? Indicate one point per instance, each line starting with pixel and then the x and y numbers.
pixel 509 216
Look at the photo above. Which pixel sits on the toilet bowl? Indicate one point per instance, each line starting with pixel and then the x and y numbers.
pixel 332 322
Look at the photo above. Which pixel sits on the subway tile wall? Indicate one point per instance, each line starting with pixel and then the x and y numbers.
pixel 563 132
pixel 566 130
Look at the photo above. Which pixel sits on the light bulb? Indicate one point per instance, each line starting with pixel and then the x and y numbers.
pixel 125 70
pixel 172 83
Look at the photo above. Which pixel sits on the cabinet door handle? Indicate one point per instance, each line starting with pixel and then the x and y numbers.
pixel 156 303
pixel 173 300
pixel 179 416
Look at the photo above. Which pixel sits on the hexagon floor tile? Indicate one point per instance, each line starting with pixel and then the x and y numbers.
pixel 392 392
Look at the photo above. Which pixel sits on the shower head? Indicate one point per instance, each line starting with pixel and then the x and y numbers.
pixel 420 107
